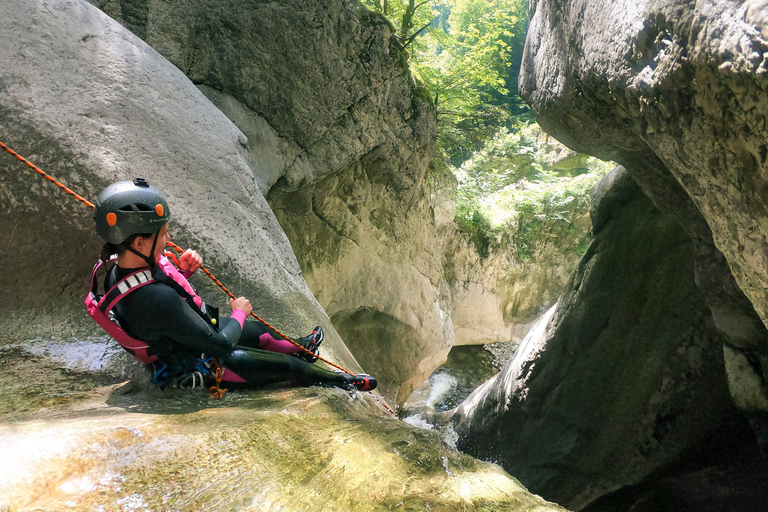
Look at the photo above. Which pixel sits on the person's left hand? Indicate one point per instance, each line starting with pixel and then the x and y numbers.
pixel 190 260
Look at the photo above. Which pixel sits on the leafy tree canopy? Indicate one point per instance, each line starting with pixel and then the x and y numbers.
pixel 468 53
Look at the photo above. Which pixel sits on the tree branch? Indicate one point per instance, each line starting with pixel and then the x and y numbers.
pixel 422 29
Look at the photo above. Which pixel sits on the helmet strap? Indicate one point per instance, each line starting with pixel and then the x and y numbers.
pixel 150 261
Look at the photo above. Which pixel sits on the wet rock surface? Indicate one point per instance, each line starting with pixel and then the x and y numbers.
pixel 119 446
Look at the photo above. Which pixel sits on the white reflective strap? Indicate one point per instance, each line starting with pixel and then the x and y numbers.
pixel 135 280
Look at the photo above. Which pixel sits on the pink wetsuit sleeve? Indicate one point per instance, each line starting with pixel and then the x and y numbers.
pixel 186 273
pixel 240 316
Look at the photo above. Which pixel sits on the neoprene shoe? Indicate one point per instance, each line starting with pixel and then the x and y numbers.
pixel 311 343
pixel 362 381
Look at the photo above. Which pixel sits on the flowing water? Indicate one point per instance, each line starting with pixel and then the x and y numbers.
pixel 467 367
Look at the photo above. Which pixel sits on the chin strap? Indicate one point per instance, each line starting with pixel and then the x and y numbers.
pixel 152 263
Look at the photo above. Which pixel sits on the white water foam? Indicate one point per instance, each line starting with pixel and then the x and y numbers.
pixel 418 421
pixel 442 384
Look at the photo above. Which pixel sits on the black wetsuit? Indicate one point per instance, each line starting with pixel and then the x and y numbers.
pixel 159 316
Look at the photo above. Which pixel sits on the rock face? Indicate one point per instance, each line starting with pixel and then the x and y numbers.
pixel 628 378
pixel 341 137
pixel 91 103
pixel 106 446
pixel 497 297
pixel 677 94
pixel 501 280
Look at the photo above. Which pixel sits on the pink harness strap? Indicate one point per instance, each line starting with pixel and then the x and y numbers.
pixel 172 272
pixel 99 310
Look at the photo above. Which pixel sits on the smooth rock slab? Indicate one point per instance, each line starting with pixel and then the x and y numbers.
pixel 306 449
pixel 91 103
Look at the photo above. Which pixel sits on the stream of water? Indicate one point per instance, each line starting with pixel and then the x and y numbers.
pixel 467 367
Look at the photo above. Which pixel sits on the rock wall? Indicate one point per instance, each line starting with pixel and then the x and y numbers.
pixel 628 378
pixel 341 137
pixel 89 102
pixel 677 94
pixel 501 280
pixel 496 298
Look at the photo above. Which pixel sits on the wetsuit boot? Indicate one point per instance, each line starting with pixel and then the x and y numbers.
pixel 361 381
pixel 312 343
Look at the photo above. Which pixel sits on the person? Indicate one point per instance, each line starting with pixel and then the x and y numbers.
pixel 180 330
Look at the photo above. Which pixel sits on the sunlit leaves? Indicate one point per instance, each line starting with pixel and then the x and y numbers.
pixel 465 58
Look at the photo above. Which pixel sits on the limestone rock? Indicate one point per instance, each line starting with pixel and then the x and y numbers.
pixel 495 292
pixel 495 298
pixel 677 95
pixel 104 445
pixel 340 139
pixel 609 195
pixel 91 103
pixel 383 297
pixel 625 381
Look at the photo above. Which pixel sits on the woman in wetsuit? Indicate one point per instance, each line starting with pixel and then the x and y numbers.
pixel 170 317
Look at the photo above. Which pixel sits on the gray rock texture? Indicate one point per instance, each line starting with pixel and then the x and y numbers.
pixel 91 103
pixel 496 298
pixel 375 266
pixel 677 94
pixel 340 137
pixel 626 378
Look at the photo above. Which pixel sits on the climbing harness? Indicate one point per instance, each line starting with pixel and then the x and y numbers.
pixel 137 347
pixel 195 377
pixel 100 309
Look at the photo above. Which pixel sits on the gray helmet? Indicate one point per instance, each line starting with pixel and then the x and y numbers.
pixel 129 207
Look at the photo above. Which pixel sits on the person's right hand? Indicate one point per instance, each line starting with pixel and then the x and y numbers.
pixel 241 303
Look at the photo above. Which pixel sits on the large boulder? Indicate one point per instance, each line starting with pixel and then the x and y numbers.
pixel 625 379
pixel 677 94
pixel 342 137
pixel 91 103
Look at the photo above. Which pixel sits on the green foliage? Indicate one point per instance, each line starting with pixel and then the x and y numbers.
pixel 469 59
pixel 480 231
pixel 467 65
pixel 514 184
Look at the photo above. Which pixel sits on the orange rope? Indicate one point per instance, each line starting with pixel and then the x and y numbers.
pixel 179 249
pixel 216 391
pixel 257 317
pixel 46 176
